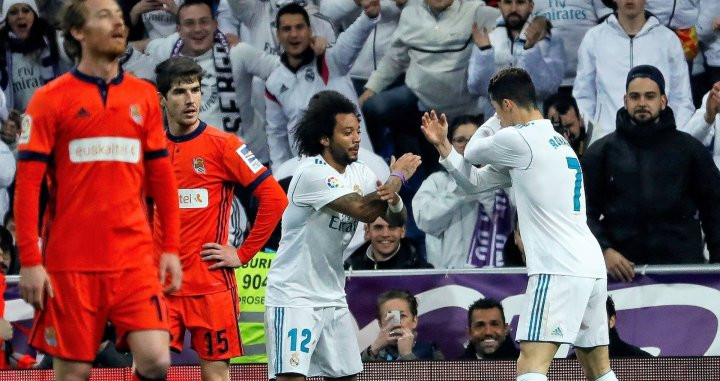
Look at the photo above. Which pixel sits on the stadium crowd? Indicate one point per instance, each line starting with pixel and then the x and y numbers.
pixel 653 194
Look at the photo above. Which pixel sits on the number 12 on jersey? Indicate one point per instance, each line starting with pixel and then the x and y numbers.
pixel 573 163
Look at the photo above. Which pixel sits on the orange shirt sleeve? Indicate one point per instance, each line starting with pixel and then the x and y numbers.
pixel 160 179
pixel 36 142
pixel 243 167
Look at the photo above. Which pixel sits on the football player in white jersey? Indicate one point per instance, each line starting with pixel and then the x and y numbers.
pixel 567 289
pixel 308 325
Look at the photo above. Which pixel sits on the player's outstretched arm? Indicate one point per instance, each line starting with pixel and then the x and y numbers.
pixel 435 130
pixel 371 206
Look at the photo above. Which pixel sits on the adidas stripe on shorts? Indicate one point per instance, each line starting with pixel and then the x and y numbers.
pixel 564 309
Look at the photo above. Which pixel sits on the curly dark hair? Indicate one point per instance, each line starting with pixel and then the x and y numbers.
pixel 318 121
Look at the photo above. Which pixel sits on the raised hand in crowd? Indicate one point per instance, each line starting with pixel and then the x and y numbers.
pixel 618 266
pixel 371 7
pixel 536 31
pixel 481 37
pixel 145 6
pixel 319 44
pixel 712 106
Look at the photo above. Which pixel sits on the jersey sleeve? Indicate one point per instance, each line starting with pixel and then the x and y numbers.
pixel 506 148
pixel 37 138
pixel 154 144
pixel 317 186
pixel 241 165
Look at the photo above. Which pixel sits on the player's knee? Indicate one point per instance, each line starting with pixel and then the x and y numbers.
pixel 154 367
pixel 73 375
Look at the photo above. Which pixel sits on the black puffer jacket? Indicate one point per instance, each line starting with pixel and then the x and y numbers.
pixel 649 182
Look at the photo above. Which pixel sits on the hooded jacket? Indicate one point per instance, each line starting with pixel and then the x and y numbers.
pixel 648 182
pixel 607 54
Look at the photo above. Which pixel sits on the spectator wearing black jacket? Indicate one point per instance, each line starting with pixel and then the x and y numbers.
pixel 386 249
pixel 652 185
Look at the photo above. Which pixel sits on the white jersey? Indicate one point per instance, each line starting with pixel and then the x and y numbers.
pixel 308 268
pixel 550 197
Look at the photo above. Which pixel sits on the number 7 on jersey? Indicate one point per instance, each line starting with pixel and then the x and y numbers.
pixel 573 163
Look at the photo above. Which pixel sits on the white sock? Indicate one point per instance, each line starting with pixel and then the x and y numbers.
pixel 609 376
pixel 533 377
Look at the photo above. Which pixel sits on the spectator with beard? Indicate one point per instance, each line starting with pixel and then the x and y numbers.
pixel 628 38
pixel 649 182
pixel 489 333
pixel 519 40
pixel 565 115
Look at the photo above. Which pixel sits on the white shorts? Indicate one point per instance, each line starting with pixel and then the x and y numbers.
pixel 565 309
pixel 311 341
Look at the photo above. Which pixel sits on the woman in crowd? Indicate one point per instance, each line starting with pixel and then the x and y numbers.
pixel 32 55
pixel 397 341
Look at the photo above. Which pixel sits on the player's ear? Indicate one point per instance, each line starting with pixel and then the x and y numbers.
pixel 325 141
pixel 161 99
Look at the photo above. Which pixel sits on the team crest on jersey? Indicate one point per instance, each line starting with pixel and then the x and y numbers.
pixel 309 75
pixel 332 182
pixel 295 359
pixel 135 114
pixel 26 125
pixel 50 336
pixel 358 189
pixel 199 165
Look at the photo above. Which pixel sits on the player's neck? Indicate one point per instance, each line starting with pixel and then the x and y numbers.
pixel 332 162
pixel 99 67
pixel 524 116
pixel 177 129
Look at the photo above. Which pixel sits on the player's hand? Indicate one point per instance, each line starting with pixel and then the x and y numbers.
pixel 386 336
pixel 34 283
pixel 371 7
pixel 405 341
pixel 435 130
pixel 170 263
pixel 618 266
pixel 6 331
pixel 367 94
pixel 225 255
pixel 386 193
pixel 480 36
pixel 319 44
pixel 536 31
pixel 712 105
pixel 407 164
pixel 716 23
